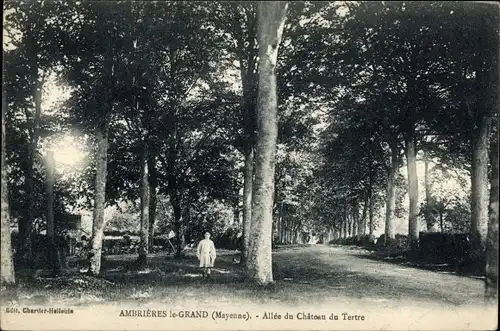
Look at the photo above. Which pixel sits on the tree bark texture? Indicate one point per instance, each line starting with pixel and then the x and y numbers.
pixel 153 200
pixel 271 20
pixel 144 230
pixel 7 264
pixel 492 236
pixel 99 199
pixel 391 193
pixel 491 283
pixel 247 201
pixel 479 184
pixel 25 223
pixel 413 226
pixel 427 186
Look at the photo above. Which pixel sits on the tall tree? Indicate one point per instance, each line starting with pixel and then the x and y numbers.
pixel 239 20
pixel 492 237
pixel 271 18
pixel 31 20
pixel 485 107
pixel 494 97
pixel 145 196
pixel 391 192
pixel 98 222
pixel 53 248
pixel 7 266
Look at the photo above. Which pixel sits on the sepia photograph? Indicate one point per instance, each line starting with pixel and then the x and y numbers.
pixel 250 165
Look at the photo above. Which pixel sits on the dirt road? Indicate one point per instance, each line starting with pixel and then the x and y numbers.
pixel 347 272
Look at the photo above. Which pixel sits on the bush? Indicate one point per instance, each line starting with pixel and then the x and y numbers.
pixel 446 248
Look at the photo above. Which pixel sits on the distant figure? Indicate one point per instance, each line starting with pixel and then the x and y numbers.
pixel 206 254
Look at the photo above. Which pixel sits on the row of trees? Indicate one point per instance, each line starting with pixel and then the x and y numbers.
pixel 146 89
pixel 408 83
pixel 169 93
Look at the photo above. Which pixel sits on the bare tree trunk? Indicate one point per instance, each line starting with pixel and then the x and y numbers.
pixel 247 57
pixel 479 185
pixel 176 206
pixel 247 202
pixel 356 218
pixel 25 223
pixel 350 222
pixel 280 227
pixel 283 231
pixel 287 232
pixel 7 265
pixel 427 185
pixel 341 230
pixel 345 223
pixel 99 199
pixel 491 293
pixel 153 199
pixel 363 217
pixel 236 215
pixel 271 20
pixel 491 284
pixel 52 247
pixel 371 225
pixel 391 193
pixel 145 195
pixel 413 226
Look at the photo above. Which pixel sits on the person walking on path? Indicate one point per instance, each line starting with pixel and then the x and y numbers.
pixel 206 254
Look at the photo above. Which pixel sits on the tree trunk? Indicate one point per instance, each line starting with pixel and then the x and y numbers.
pixel 247 202
pixel 288 232
pixel 341 230
pixel 7 265
pixel 350 222
pixel 25 223
pixel 176 206
pixel 491 284
pixel 391 194
pixel 346 224
pixel 427 185
pixel 52 247
pixel 271 20
pixel 153 199
pixel 98 223
pixel 479 186
pixel 371 224
pixel 357 230
pixel 247 52
pixel 363 217
pixel 145 195
pixel 491 293
pixel 413 227
pixel 279 226
pixel 236 215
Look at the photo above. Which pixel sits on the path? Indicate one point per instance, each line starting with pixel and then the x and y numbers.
pixel 347 272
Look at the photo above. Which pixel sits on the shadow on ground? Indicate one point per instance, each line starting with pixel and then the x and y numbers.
pixel 303 275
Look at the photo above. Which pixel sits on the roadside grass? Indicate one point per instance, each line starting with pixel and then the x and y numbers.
pixel 302 276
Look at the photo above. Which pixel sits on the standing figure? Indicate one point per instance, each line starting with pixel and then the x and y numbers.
pixel 206 254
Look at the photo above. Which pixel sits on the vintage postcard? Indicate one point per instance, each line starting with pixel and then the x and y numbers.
pixel 224 165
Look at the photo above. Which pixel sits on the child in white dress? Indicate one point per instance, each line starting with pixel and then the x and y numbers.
pixel 206 254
